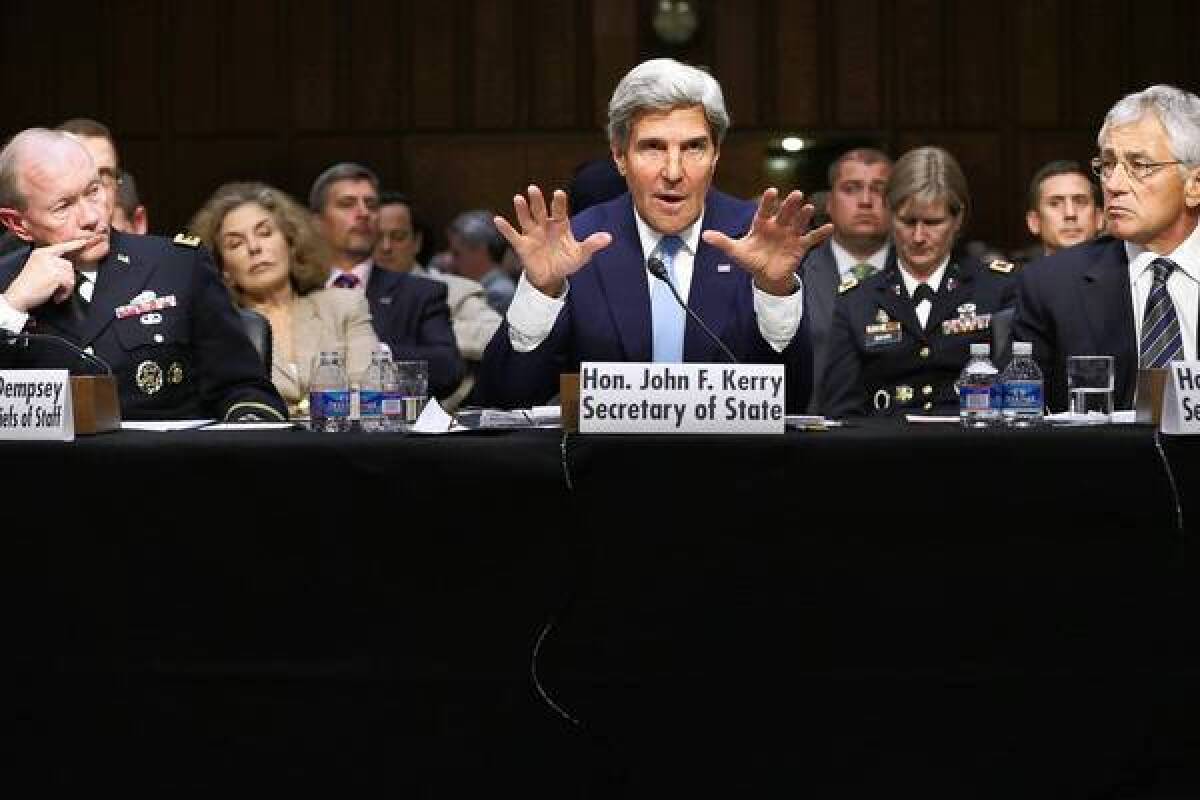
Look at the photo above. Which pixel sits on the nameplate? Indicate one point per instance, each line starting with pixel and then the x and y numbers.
pixel 1181 400
pixel 633 397
pixel 36 404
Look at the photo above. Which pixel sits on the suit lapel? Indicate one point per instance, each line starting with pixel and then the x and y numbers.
pixel 622 275
pixel 1106 304
pixel 306 335
pixel 955 290
pixel 892 298
pixel 119 278
pixel 710 294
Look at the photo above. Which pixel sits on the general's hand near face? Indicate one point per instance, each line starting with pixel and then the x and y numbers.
pixel 47 275
pixel 545 244
pixel 776 243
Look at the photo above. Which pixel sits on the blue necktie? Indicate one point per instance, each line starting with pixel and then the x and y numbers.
pixel 1161 342
pixel 667 316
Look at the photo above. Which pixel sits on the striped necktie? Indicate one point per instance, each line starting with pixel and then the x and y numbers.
pixel 666 315
pixel 1162 341
pixel 347 280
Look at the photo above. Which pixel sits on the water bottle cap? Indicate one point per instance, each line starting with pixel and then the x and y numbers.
pixel 981 349
pixel 1022 348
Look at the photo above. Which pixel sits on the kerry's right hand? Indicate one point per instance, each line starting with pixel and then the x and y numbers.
pixel 545 244
pixel 47 275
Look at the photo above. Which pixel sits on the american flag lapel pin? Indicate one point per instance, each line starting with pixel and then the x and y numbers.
pixel 723 268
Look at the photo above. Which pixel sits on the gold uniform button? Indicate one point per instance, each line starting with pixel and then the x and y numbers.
pixel 924 352
pixel 926 390
pixel 928 406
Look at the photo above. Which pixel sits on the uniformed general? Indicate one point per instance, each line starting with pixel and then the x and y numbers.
pixel 153 309
pixel 902 336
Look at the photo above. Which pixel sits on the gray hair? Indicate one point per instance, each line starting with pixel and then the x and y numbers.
pixel 345 171
pixel 660 85
pixel 477 228
pixel 11 193
pixel 929 175
pixel 1176 109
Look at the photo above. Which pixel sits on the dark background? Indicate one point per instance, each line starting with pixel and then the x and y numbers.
pixel 463 102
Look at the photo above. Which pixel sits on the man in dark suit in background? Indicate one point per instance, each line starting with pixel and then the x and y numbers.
pixel 859 246
pixel 1133 293
pixel 586 294
pixel 409 313
pixel 154 310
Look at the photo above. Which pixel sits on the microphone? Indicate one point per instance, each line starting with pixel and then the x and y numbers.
pixel 8 337
pixel 659 270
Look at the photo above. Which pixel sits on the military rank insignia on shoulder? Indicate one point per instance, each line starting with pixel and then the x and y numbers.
pixel 1002 266
pixel 187 240
pixel 848 283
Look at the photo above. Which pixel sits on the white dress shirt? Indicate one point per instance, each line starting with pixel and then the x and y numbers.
pixel 532 314
pixel 934 282
pixel 1183 286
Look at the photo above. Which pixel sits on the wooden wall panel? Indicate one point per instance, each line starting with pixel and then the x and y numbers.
pixel 857 87
pixel 374 91
pixel 549 73
pixel 494 59
pixel 435 58
pixel 137 95
pixel 191 44
pixel 978 79
pixel 469 100
pixel 314 31
pixel 614 26
pixel 919 45
pixel 1038 62
pixel 736 65
pixel 250 64
pixel 81 55
pixel 798 74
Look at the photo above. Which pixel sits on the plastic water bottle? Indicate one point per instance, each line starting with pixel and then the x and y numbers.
pixel 392 401
pixel 371 393
pixel 978 390
pixel 329 394
pixel 1021 388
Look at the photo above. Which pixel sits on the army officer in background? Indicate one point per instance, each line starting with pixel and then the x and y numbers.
pixel 151 308
pixel 901 337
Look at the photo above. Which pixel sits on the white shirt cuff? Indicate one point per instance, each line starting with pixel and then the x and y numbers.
pixel 779 317
pixel 10 319
pixel 531 315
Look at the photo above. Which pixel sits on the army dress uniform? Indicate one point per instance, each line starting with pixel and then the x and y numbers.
pixel 882 361
pixel 161 318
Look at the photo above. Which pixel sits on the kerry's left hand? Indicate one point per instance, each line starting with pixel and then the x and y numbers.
pixel 776 243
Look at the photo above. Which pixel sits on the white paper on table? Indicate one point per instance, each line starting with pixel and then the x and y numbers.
pixel 1127 417
pixel 250 426
pixel 164 424
pixel 434 419
pixel 926 418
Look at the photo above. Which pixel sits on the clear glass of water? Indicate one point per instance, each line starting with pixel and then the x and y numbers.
pixel 412 381
pixel 1090 387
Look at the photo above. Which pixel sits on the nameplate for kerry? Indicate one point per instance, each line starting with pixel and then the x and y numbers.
pixel 1181 400
pixel 36 404
pixel 633 397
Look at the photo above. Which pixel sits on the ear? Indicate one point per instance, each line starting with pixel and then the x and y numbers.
pixel 141 221
pixel 15 221
pixel 1034 222
pixel 1191 188
pixel 418 239
pixel 619 158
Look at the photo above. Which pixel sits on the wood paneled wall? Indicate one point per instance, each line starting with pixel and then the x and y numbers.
pixel 463 102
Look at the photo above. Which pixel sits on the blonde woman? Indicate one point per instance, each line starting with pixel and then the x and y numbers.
pixel 276 263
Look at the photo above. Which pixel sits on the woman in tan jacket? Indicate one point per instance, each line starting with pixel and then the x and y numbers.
pixel 275 262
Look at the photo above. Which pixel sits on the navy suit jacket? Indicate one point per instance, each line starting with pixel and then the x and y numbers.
pixel 190 359
pixel 1078 302
pixel 607 312
pixel 409 313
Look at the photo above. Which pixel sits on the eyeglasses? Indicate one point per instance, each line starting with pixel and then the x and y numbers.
pixel 1138 169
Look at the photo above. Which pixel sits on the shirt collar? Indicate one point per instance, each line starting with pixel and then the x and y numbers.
pixel 847 261
pixel 934 281
pixel 1186 257
pixel 361 270
pixel 650 237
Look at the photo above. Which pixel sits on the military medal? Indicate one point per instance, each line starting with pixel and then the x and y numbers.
pixel 175 373
pixel 149 377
